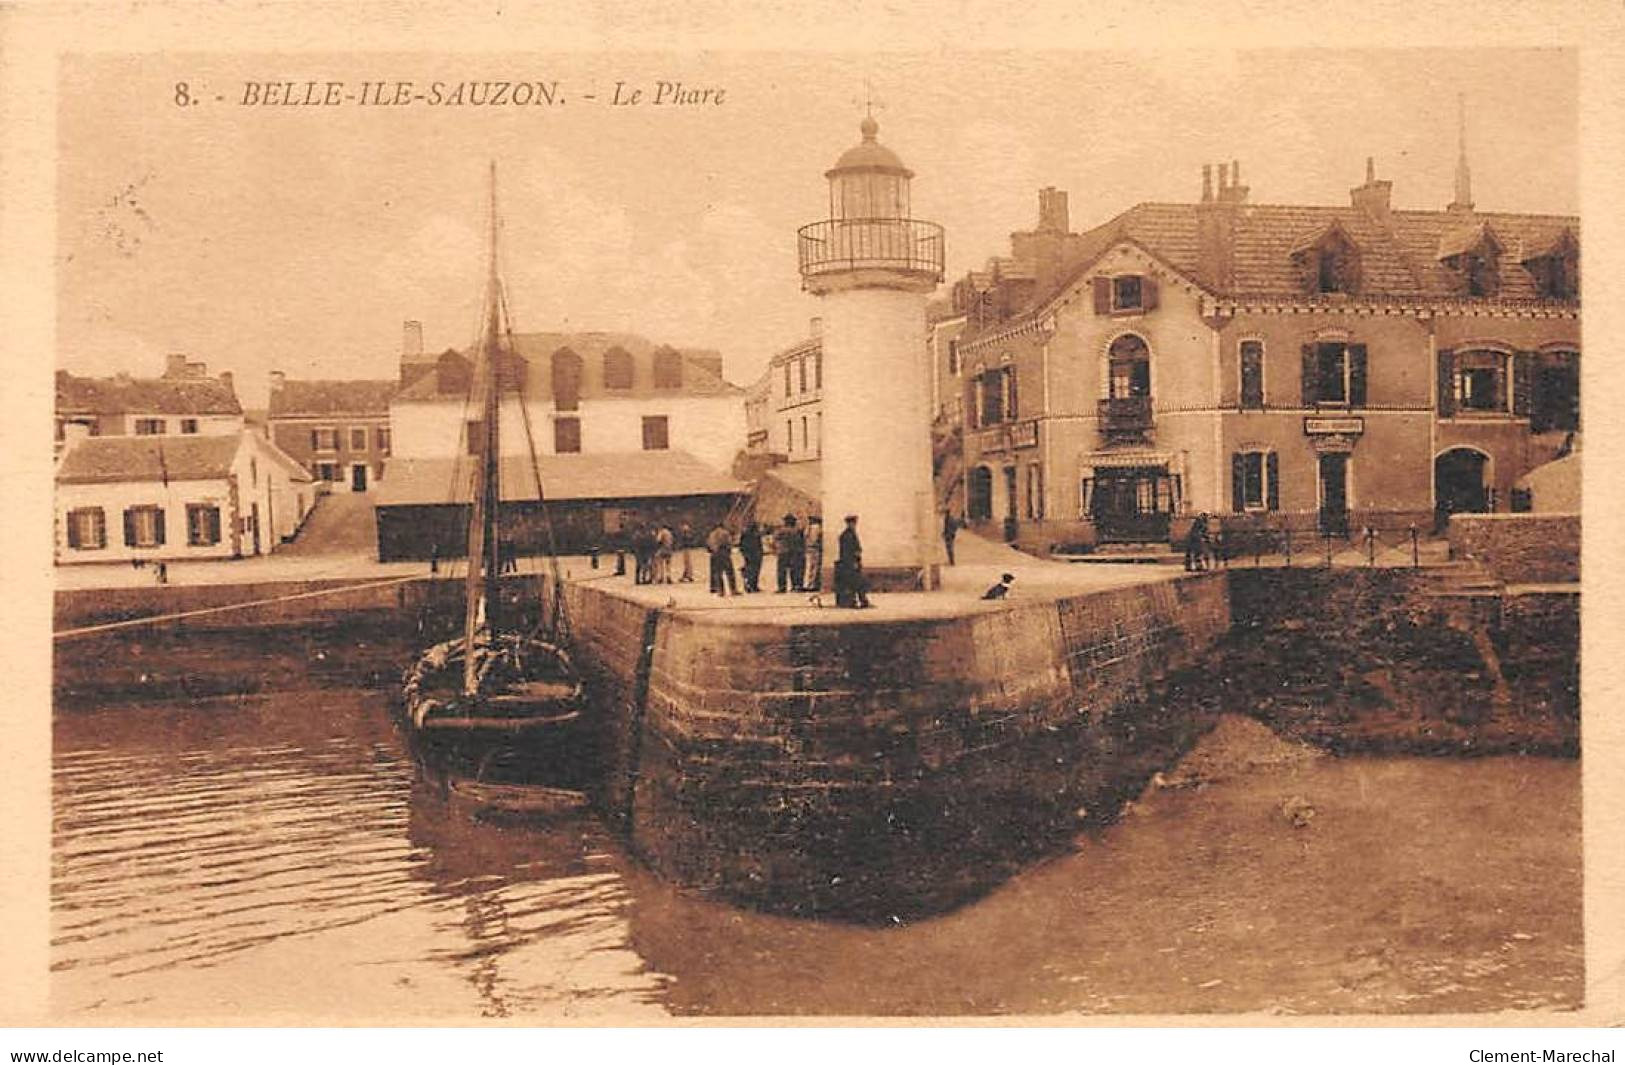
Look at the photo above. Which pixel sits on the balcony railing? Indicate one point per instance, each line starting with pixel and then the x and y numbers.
pixel 870 243
pixel 1127 415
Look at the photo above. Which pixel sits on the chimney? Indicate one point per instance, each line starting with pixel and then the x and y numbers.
pixel 1052 211
pixel 174 365
pixel 227 380
pixel 1232 190
pixel 412 340
pixel 1372 197
pixel 278 379
pixel 1216 226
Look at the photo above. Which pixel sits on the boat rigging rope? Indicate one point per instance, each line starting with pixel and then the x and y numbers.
pixel 560 626
pixel 161 618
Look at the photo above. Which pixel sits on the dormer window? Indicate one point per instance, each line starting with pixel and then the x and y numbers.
pixel 1473 256
pixel 617 369
pixel 1554 265
pixel 1329 262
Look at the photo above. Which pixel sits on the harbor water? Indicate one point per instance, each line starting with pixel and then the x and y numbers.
pixel 277 859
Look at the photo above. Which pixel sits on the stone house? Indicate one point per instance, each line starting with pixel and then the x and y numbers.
pixel 337 430
pixel 153 496
pixel 1314 367
pixel 185 401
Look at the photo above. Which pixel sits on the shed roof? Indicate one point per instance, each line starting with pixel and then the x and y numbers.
pixel 587 476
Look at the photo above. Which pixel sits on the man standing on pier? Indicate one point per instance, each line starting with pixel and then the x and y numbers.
pixel 814 580
pixel 790 549
pixel 950 529
pixel 685 543
pixel 750 546
pixel 851 590
pixel 721 546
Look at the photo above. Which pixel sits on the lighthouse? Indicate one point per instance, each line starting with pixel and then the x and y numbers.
pixel 872 265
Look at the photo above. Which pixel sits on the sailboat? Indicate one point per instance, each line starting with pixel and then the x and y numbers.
pixel 502 700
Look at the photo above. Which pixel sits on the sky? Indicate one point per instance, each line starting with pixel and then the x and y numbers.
pixel 299 239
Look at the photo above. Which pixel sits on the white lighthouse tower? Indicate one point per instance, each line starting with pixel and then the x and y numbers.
pixel 872 265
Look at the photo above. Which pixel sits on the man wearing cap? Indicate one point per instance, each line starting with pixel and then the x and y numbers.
pixel 851 589
pixel 790 550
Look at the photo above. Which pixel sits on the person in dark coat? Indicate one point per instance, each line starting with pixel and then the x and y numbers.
pixel 851 590
pixel 750 547
pixel 790 551
pixel 643 552
pixel 720 544
pixel 1196 544
pixel 950 529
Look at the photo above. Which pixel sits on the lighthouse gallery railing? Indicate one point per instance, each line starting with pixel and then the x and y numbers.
pixel 879 243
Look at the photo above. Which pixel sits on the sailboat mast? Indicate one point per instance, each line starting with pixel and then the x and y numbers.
pixel 484 568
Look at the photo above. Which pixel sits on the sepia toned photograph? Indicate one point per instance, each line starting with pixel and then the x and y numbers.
pixel 559 537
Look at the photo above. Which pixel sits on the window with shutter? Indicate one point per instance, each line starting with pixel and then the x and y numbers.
pixel 1311 376
pixel 1521 380
pixel 144 526
pixel 1238 482
pixel 1149 294
pixel 73 529
pixel 1357 374
pixel 202 525
pixel 1447 383
pixel 1273 481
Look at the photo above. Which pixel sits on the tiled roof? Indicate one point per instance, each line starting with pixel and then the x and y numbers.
pixel 109 459
pixel 701 368
pixel 613 475
pixel 1398 260
pixel 331 397
pixel 133 395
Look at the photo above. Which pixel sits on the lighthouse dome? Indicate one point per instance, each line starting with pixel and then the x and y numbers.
pixel 869 154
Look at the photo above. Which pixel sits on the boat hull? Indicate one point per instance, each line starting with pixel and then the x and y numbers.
pixel 525 725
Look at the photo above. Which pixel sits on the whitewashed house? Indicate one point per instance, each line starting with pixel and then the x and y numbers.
pixel 120 498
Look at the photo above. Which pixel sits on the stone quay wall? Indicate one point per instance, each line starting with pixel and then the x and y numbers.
pixel 871 768
pixel 1519 548
pixel 1378 660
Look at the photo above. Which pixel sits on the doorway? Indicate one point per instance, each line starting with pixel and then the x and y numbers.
pixel 254 524
pixel 1460 484
pixel 358 477
pixel 1132 504
pixel 1334 494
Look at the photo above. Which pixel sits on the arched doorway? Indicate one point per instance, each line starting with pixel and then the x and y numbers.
pixel 979 502
pixel 1460 483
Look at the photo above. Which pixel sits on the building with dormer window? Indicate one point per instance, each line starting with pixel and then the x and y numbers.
pixel 1321 368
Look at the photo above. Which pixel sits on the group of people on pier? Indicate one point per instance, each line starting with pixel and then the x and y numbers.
pixel 798 553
